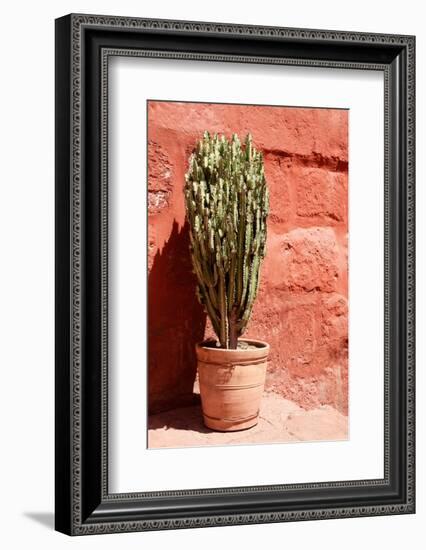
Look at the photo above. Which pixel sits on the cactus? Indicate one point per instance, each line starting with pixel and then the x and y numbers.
pixel 227 204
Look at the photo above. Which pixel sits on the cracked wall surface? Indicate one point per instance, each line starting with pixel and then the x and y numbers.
pixel 302 306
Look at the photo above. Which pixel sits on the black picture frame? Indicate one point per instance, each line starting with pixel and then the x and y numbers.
pixel 83 504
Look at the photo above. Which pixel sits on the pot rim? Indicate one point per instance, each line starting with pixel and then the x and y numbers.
pixel 264 346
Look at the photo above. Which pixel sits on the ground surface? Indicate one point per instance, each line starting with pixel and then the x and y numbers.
pixel 280 421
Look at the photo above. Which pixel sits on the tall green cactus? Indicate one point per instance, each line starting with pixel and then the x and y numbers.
pixel 227 204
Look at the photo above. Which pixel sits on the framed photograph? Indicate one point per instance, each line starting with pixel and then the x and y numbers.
pixel 234 274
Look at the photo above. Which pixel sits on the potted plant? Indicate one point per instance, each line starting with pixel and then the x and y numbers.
pixel 227 203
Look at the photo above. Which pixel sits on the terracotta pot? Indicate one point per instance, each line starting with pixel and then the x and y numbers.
pixel 231 384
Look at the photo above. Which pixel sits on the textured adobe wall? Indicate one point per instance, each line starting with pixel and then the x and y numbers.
pixel 301 308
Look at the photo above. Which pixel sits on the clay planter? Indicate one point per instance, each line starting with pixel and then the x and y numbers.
pixel 231 384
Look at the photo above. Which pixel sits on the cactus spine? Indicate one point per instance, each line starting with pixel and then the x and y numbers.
pixel 227 204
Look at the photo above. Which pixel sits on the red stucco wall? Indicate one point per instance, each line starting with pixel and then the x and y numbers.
pixel 301 309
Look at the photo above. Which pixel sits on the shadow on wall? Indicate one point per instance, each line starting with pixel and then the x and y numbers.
pixel 176 322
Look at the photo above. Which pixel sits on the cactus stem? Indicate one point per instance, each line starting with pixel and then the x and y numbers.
pixel 227 204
